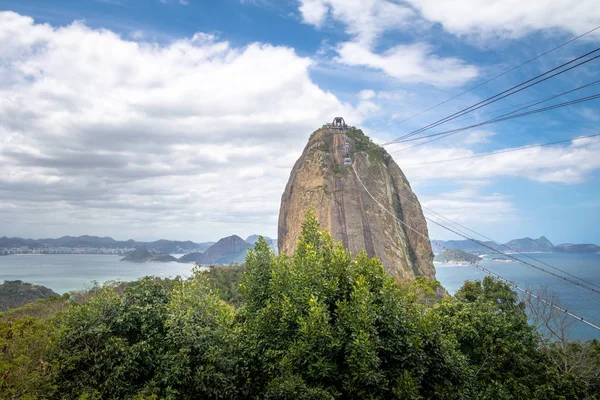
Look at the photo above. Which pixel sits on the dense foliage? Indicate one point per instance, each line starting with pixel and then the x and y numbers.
pixel 317 325
pixel 14 294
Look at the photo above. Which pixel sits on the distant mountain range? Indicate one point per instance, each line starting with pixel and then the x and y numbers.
pixel 528 245
pixel 160 246
pixel 228 250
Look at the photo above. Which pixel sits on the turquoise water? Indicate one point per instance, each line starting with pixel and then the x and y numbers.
pixel 578 301
pixel 66 272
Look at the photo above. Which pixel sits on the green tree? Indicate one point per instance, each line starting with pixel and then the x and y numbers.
pixel 112 345
pixel 328 326
pixel 199 361
pixel 488 322
pixel 28 336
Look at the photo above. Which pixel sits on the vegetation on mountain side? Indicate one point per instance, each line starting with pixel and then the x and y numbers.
pixel 14 294
pixel 321 324
pixel 456 256
pixel 144 255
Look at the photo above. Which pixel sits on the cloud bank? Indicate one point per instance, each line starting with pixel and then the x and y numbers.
pixel 175 140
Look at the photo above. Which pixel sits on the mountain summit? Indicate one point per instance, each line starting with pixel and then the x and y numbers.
pixel 329 177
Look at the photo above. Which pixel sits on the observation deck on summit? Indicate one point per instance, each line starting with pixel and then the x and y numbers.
pixel 338 123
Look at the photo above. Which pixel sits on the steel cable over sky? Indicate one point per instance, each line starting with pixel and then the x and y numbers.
pixel 502 151
pixel 441 135
pixel 528 105
pixel 495 242
pixel 495 77
pixel 504 94
pixel 576 317
pixel 586 285
pixel 525 106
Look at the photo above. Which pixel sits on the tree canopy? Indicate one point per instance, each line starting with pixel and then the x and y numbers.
pixel 321 324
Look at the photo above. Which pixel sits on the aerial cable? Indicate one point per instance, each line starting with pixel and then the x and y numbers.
pixel 465 236
pixel 525 106
pixel 499 96
pixel 438 215
pixel 578 318
pixel 581 285
pixel 563 284
pixel 529 105
pixel 495 77
pixel 441 135
pixel 503 151
pixel 508 92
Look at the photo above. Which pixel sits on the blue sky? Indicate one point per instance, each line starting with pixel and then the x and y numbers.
pixel 150 119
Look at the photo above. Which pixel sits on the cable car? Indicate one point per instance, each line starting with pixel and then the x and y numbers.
pixel 347 161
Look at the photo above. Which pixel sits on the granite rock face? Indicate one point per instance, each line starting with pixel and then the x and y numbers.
pixel 363 218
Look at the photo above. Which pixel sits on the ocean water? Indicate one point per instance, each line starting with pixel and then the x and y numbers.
pixel 66 272
pixel 581 302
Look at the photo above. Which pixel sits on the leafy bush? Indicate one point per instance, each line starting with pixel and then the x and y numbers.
pixel 317 325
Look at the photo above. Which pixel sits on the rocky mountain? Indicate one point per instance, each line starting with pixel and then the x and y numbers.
pixel 231 249
pixel 531 245
pixel 322 180
pixel 576 248
pixel 456 256
pixel 252 239
pixel 142 254
pixel 190 258
pixel 14 294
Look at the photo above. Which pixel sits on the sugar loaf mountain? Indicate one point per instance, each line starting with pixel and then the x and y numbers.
pixel 329 177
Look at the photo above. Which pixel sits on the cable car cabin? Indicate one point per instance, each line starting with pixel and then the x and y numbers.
pixel 347 161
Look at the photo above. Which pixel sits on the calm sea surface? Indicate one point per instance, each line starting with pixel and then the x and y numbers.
pixel 578 301
pixel 66 272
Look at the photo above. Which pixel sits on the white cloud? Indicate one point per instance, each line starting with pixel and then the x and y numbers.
pixel 367 94
pixel 366 21
pixel 510 18
pixel 413 63
pixel 194 139
pixel 562 164
pixel 470 205
pixel 478 136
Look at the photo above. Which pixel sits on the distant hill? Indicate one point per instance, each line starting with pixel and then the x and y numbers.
pixel 191 258
pixel 144 255
pixel 231 249
pixel 530 245
pixel 456 256
pixel 576 248
pixel 526 245
pixel 14 294
pixel 160 246
pixel 252 239
pixel 464 245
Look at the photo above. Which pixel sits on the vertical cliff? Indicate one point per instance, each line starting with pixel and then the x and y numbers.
pixel 320 180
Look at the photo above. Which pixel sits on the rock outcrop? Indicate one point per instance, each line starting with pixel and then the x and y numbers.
pixel 231 249
pixel 144 255
pixel 363 218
